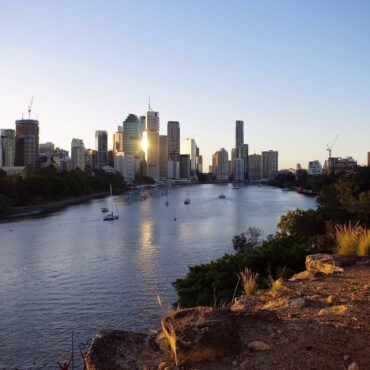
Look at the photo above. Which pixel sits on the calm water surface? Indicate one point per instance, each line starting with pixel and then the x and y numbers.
pixel 70 270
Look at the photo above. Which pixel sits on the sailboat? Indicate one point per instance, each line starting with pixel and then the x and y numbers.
pixel 167 202
pixel 187 200
pixel 111 216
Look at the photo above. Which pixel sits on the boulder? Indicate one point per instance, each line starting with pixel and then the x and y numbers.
pixel 336 310
pixel 123 350
pixel 327 263
pixel 201 334
pixel 258 345
pixel 304 275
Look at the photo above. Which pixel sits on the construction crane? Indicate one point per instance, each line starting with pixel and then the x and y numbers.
pixel 30 108
pixel 329 148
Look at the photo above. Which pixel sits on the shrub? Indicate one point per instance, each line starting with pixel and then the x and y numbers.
pixel 249 281
pixel 364 243
pixel 347 237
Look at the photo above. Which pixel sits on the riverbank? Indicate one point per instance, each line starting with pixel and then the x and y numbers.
pixel 45 208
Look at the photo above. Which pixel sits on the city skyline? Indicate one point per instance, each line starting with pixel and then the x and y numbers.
pixel 288 87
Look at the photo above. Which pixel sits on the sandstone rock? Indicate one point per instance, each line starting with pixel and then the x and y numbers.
pixel 122 350
pixel 353 366
pixel 200 334
pixel 330 299
pixel 324 263
pixel 258 345
pixel 304 275
pixel 336 310
pixel 327 263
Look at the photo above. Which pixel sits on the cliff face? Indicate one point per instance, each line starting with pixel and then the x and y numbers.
pixel 320 319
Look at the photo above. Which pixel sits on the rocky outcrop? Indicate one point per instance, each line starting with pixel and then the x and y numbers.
pixel 123 350
pixel 201 334
pixel 319 319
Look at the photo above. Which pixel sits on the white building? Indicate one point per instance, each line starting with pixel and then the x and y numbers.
pixel 78 154
pixel 173 169
pixel 314 168
pixel 125 165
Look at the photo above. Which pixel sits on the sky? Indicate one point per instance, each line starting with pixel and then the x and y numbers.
pixel 296 72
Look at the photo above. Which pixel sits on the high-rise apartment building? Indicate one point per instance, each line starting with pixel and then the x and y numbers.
pixel 101 146
pixel 90 158
pixel 7 148
pixel 118 140
pixel 27 142
pixel 314 168
pixel 220 165
pixel 163 156
pixel 152 157
pixel 270 164
pixel 239 133
pixel 255 169
pixel 125 165
pixel 77 154
pixel 173 134
pixel 243 153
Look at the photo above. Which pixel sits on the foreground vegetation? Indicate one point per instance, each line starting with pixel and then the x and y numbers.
pixel 48 184
pixel 299 233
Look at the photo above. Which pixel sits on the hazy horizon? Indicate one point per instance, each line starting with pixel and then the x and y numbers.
pixel 296 73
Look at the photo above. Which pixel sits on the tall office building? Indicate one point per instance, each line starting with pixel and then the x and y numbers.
pixel 118 140
pixel 7 148
pixel 163 156
pixel 189 146
pixel 239 133
pixel 255 167
pixel 269 164
pixel 152 157
pixel 125 165
pixel 243 153
pixel 27 142
pixel 173 134
pixel 184 166
pixel 101 146
pixel 220 165
pixel 238 169
pixel 77 154
pixel 90 158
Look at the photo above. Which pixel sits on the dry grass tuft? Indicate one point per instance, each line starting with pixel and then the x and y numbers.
pixel 364 243
pixel 249 281
pixel 347 237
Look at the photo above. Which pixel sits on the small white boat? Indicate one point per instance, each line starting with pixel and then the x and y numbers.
pixel 112 216
pixel 187 200
pixel 222 196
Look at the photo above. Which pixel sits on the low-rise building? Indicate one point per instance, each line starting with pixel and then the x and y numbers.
pixel 314 168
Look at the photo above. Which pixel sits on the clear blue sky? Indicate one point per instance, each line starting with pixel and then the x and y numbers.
pixel 296 72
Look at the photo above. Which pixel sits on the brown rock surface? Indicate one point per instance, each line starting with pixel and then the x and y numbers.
pixel 200 334
pixel 288 322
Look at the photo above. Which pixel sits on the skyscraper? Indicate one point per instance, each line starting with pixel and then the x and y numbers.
pixel 163 156
pixel 269 164
pixel 189 146
pixel 255 167
pixel 239 133
pixel 7 148
pixel 220 165
pixel 77 154
pixel 152 159
pixel 101 146
pixel 173 134
pixel 27 142
pixel 184 166
pixel 238 169
pixel 118 140
pixel 132 139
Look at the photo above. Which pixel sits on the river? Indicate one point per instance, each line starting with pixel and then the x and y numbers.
pixel 71 271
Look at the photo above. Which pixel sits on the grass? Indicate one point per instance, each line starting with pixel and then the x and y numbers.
pixel 364 243
pixel 347 237
pixel 249 281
